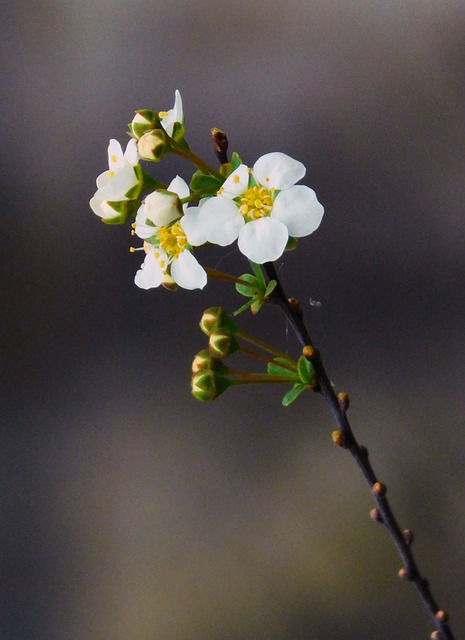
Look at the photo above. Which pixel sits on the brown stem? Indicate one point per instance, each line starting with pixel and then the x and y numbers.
pixel 344 436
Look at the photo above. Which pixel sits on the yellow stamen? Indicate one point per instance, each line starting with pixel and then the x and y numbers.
pixel 256 202
pixel 172 239
pixel 163 114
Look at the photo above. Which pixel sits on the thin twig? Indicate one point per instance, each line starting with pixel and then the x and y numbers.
pixel 344 436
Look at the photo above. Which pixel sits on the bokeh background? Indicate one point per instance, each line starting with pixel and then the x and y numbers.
pixel 132 512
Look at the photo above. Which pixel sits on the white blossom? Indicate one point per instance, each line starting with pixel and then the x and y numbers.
pixel 261 208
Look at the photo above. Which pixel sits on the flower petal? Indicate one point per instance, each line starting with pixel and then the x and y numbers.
pixel 101 208
pixel 187 272
pixel 131 154
pixel 118 185
pixel 192 227
pixel 115 155
pixel 236 183
pixel 278 171
pixel 179 187
pixel 173 115
pixel 299 209
pixel 150 274
pixel 221 220
pixel 142 228
pixel 263 240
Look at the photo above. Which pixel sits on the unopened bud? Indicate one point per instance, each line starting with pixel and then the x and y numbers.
pixel 379 489
pixel 144 120
pixel 338 438
pixel 213 318
pixel 207 385
pixel 153 145
pixel 375 515
pixel 203 361
pixel 222 343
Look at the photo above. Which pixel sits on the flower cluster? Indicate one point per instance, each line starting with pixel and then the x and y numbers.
pixel 262 207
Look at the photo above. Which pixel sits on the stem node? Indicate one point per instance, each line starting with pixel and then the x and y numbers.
pixel 339 439
pixel 379 489
pixel 375 514
pixel 343 398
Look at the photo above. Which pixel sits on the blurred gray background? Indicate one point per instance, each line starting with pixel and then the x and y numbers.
pixel 132 512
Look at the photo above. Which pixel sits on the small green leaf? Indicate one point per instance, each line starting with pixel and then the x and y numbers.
pixel 243 307
pixel 270 287
pixel 248 290
pixel 256 305
pixel 205 182
pixel 149 182
pixel 293 394
pixel 305 370
pixel 257 269
pixel 276 368
pixel 235 161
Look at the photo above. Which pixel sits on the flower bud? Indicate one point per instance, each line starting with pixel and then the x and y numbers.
pixel 143 121
pixel 162 207
pixel 203 361
pixel 153 145
pixel 213 318
pixel 222 343
pixel 206 385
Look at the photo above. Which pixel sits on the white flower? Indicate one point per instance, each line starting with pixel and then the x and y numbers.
pixel 261 208
pixel 114 185
pixel 169 257
pixel 168 118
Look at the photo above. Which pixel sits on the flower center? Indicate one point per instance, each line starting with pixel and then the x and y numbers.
pixel 172 239
pixel 256 202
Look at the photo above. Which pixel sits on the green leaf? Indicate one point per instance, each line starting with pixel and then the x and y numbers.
pixel 275 368
pixel 251 289
pixel 256 305
pixel 236 160
pixel 243 307
pixel 149 182
pixel 305 370
pixel 205 182
pixel 257 269
pixel 293 394
pixel 270 287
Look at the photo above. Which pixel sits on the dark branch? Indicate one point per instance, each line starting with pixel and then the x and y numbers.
pixel 344 436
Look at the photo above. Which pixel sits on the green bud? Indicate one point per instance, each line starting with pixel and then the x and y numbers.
pixel 222 343
pixel 153 145
pixel 143 121
pixel 203 361
pixel 215 317
pixel 206 385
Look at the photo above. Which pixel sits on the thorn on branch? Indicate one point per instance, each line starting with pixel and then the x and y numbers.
pixel 363 450
pixel 375 515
